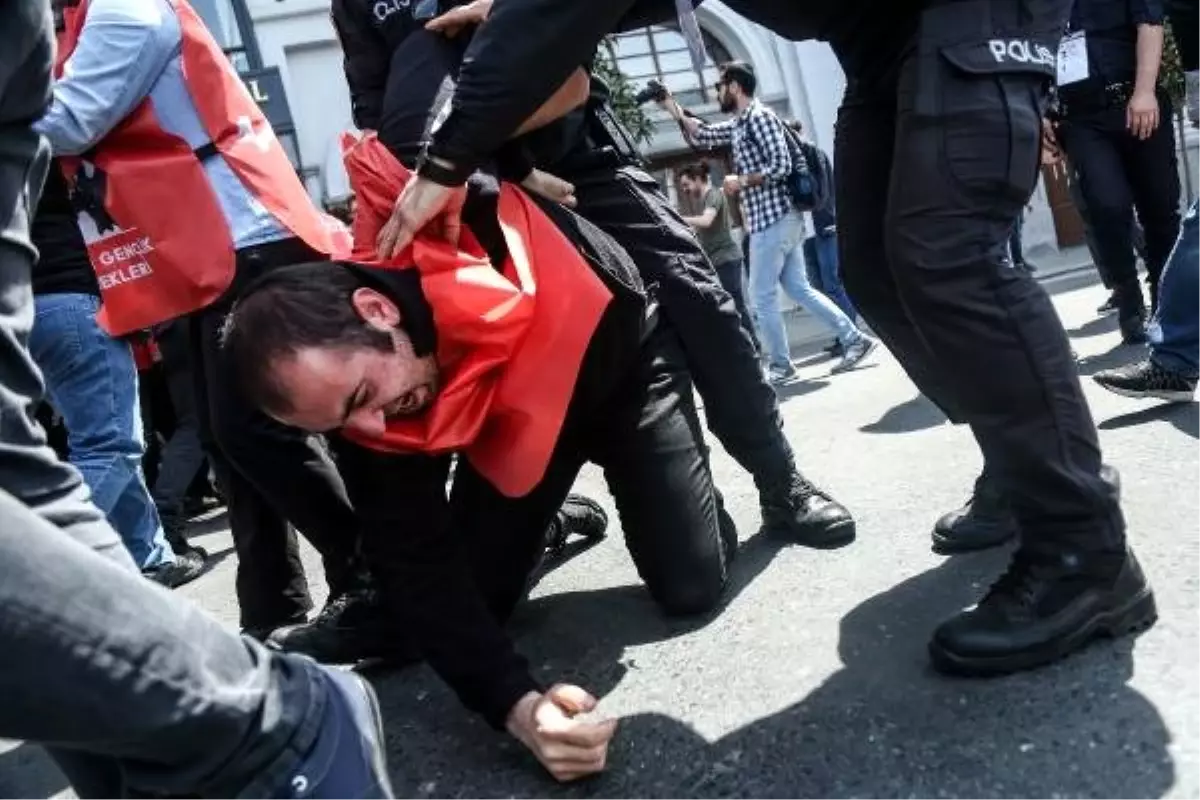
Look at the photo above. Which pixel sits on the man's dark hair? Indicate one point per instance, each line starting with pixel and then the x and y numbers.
pixel 285 311
pixel 696 172
pixel 742 74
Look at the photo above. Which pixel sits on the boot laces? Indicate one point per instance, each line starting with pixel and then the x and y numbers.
pixel 803 490
pixel 334 608
pixel 1022 581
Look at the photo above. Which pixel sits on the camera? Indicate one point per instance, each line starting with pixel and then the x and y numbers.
pixel 654 91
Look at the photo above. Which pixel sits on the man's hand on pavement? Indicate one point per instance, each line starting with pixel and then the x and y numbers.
pixel 568 748
pixel 454 20
pixel 1141 115
pixel 550 187
pixel 422 203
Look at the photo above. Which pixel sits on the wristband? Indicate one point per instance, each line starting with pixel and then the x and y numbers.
pixel 451 176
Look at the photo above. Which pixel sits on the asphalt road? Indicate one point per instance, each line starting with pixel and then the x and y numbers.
pixel 813 680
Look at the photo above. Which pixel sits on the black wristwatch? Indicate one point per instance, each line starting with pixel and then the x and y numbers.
pixel 452 176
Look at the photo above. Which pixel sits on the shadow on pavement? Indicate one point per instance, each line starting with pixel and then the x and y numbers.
pixel 1184 416
pixel 799 388
pixel 1094 327
pixel 1118 356
pixel 884 725
pixel 916 414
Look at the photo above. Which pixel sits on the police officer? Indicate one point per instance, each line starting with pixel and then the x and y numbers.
pixel 591 150
pixel 1114 125
pixel 937 151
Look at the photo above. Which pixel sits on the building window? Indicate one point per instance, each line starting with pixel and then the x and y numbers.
pixel 661 52
pixel 222 22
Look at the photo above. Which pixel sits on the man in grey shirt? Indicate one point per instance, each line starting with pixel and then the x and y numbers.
pixel 705 208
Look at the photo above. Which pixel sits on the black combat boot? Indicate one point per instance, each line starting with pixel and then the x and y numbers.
pixel 352 627
pixel 1047 605
pixel 579 516
pixel 801 513
pixel 986 520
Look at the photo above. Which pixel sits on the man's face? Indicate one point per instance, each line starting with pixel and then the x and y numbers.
pixel 689 186
pixel 725 95
pixel 356 387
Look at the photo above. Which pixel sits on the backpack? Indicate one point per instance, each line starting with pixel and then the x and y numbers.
pixel 810 183
pixel 820 175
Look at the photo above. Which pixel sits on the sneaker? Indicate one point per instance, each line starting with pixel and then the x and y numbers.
pixel 1146 380
pixel 834 350
pixel 1108 306
pixel 778 376
pixel 186 567
pixel 352 627
pixel 347 759
pixel 804 514
pixel 855 353
pixel 984 521
pixel 578 515
pixel 1044 607
pixel 1025 266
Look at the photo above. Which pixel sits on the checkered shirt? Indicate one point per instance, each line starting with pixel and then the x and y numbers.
pixel 760 145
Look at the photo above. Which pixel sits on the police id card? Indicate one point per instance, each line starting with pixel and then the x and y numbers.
pixel 1072 59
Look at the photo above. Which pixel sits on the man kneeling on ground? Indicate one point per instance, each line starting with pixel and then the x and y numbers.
pixel 525 372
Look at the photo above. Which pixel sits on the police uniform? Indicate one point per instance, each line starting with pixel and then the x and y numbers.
pixel 590 149
pixel 1117 171
pixel 937 152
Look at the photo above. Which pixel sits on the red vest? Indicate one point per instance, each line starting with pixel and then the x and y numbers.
pixel 510 341
pixel 156 236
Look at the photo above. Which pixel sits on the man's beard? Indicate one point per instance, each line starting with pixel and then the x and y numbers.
pixel 728 104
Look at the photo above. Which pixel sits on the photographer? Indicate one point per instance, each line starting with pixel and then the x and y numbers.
pixel 764 158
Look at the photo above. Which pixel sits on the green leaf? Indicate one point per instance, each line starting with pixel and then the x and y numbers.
pixel 632 115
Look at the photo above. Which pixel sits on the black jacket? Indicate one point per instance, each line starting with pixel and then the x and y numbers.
pixel 400 500
pixel 370 32
pixel 527 49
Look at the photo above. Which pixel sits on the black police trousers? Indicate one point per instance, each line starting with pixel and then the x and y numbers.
pixel 740 406
pixel 933 166
pixel 271 475
pixel 1119 173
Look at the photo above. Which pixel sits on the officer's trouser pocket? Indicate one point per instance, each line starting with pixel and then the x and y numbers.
pixel 984 91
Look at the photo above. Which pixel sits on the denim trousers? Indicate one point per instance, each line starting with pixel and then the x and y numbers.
pixel 1175 329
pixel 825 273
pixel 135 690
pixel 91 379
pixel 777 259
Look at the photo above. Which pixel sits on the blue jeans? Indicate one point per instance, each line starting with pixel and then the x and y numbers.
pixel 776 259
pixel 91 379
pixel 824 272
pixel 1175 329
